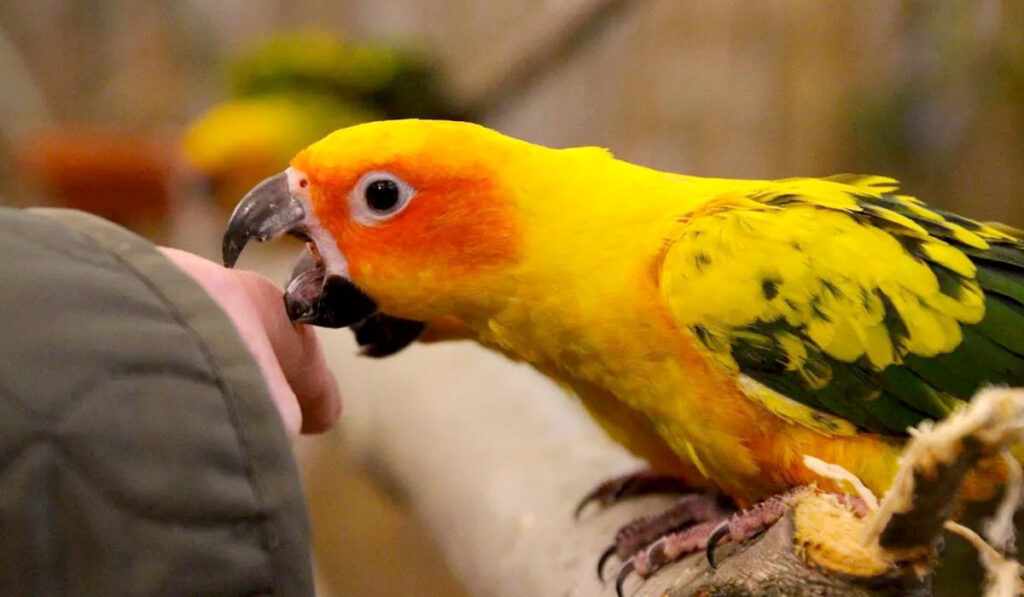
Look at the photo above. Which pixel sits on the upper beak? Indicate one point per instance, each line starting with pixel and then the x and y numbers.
pixel 267 211
pixel 313 295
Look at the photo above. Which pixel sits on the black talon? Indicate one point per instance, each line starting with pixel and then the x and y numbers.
pixel 601 493
pixel 583 504
pixel 716 535
pixel 635 484
pixel 624 573
pixel 605 556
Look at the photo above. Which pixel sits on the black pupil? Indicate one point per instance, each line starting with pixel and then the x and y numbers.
pixel 382 194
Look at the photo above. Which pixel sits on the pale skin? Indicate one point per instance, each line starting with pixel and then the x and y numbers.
pixel 289 355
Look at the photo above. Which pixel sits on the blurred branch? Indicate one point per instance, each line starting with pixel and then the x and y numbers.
pixel 538 49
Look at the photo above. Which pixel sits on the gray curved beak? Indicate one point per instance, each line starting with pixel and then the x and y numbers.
pixel 312 295
pixel 266 212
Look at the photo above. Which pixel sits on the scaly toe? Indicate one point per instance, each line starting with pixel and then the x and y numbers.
pixel 686 511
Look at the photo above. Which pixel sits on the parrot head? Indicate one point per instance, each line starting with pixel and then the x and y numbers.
pixel 406 222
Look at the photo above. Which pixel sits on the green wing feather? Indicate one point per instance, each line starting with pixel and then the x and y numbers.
pixel 936 313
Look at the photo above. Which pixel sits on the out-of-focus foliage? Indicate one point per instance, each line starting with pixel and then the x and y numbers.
pixel 241 141
pixel 963 63
pixel 398 83
pixel 291 90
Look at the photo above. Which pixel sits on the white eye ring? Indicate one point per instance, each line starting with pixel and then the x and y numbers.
pixel 379 196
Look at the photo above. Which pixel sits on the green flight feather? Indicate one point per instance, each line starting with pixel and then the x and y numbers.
pixel 993 363
pixel 1004 254
pixel 940 377
pixel 1003 323
pixel 892 415
pixel 910 389
pixel 1005 282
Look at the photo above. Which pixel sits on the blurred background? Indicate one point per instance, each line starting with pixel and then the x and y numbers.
pixel 161 114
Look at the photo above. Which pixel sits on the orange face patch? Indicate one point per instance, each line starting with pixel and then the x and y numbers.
pixel 458 226
pixel 455 224
pixel 452 242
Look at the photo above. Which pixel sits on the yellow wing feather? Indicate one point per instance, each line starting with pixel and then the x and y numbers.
pixel 803 268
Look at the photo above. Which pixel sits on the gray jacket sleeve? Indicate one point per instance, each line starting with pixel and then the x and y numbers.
pixel 140 453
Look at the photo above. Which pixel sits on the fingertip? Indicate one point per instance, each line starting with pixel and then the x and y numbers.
pixel 291 415
pixel 305 366
pixel 319 398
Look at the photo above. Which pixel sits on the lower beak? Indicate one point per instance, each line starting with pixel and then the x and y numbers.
pixel 332 301
pixel 313 295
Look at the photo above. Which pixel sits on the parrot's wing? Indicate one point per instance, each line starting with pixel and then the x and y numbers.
pixel 850 299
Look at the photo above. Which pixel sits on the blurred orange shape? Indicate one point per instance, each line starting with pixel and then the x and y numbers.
pixel 120 175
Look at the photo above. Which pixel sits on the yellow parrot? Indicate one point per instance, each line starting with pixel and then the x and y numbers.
pixel 720 329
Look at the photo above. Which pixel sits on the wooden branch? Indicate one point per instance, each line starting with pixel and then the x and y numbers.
pixel 770 565
pixel 493 458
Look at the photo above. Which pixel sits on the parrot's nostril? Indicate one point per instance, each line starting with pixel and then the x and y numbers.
pixel 303 183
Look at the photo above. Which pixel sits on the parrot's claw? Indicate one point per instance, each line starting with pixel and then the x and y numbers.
pixel 605 556
pixel 621 577
pixel 720 532
pixel 706 535
pixel 670 548
pixel 642 482
pixel 687 511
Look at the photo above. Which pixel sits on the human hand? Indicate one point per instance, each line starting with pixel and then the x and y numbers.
pixel 289 355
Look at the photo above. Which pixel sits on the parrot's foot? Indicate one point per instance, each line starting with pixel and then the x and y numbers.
pixel 641 482
pixel 689 510
pixel 706 535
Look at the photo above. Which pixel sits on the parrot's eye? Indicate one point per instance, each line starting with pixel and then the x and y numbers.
pixel 378 196
pixel 382 194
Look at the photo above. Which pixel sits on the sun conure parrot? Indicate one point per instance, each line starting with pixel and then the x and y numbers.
pixel 721 329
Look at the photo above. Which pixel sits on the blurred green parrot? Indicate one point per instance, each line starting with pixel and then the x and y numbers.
pixel 292 90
